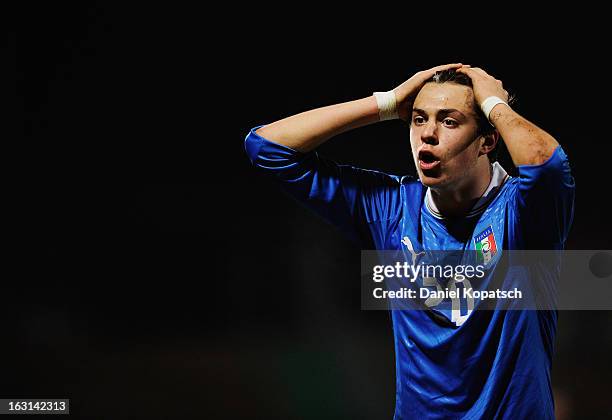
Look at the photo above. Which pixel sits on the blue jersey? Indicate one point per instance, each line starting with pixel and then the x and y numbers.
pixel 449 363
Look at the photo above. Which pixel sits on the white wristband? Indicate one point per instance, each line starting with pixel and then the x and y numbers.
pixel 387 105
pixel 488 104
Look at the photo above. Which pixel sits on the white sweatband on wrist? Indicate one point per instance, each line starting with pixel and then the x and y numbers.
pixel 387 105
pixel 488 104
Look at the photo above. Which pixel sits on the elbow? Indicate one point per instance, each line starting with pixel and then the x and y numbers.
pixel 252 145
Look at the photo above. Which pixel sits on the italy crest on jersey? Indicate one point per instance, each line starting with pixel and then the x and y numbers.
pixel 486 247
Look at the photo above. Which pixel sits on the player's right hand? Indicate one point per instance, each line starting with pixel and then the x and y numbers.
pixel 407 91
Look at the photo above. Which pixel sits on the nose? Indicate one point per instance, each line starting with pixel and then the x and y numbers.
pixel 429 134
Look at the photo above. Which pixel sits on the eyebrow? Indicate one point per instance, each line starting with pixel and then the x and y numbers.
pixel 445 111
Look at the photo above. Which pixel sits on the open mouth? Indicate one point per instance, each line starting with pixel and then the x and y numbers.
pixel 428 160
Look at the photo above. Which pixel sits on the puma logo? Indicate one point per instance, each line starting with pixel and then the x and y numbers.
pixel 406 241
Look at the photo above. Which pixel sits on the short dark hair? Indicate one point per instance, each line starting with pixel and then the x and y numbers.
pixel 484 127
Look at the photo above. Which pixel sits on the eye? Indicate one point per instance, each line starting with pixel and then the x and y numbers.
pixel 450 123
pixel 418 119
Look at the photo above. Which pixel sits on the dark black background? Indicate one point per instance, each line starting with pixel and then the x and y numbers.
pixel 156 274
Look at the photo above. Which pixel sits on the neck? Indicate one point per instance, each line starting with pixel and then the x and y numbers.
pixel 460 198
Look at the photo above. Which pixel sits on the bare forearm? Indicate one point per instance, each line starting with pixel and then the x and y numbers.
pixel 527 143
pixel 307 130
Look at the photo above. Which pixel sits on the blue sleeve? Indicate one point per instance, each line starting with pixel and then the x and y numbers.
pixel 361 203
pixel 546 201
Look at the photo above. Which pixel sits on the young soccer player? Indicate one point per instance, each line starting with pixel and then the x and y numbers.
pixel 449 363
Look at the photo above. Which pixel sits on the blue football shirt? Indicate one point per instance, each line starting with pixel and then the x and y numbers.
pixel 450 362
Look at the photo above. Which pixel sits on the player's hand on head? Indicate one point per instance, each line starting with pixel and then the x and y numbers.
pixel 407 91
pixel 483 84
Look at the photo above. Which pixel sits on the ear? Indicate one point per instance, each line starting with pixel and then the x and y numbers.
pixel 488 142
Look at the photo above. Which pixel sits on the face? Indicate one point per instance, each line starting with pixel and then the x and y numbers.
pixel 443 136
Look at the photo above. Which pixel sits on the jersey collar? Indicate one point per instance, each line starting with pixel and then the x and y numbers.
pixel 497 180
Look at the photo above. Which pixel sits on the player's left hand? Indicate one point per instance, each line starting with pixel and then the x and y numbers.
pixel 483 84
